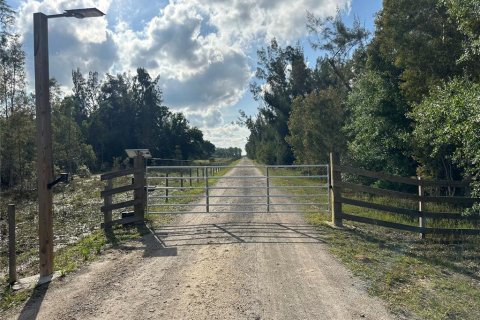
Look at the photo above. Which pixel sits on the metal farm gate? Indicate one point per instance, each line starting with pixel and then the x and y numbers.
pixel 237 189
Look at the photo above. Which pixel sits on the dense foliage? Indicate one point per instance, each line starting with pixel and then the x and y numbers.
pixel 404 101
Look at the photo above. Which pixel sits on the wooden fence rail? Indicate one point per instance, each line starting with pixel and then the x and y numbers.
pixel 138 186
pixel 338 188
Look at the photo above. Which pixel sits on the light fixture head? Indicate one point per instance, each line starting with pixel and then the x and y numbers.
pixel 84 13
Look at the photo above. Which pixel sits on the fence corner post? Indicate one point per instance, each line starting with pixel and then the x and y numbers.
pixel 12 252
pixel 107 200
pixel 140 190
pixel 335 191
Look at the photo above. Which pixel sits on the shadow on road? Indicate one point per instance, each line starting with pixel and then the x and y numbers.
pixel 238 232
pixel 32 306
pixel 153 245
pixel 163 241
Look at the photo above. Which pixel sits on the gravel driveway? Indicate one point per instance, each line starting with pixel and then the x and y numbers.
pixel 215 266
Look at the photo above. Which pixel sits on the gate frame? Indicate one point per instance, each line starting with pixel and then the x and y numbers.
pixel 267 176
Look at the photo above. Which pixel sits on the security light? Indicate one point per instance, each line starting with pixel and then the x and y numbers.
pixel 132 153
pixel 79 13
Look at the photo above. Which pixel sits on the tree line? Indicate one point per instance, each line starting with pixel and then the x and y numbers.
pixel 93 125
pixel 404 99
pixel 231 152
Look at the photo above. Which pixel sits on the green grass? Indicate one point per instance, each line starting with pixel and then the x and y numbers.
pixel 433 278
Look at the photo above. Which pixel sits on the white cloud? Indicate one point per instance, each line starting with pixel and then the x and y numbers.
pixel 203 50
pixel 86 43
pixel 210 118
pixel 227 135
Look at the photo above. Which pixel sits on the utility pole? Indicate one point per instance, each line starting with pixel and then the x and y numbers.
pixel 44 143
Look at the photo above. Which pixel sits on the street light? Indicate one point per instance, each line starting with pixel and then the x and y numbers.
pixel 44 132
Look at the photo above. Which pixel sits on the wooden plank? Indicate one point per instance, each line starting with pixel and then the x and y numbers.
pixel 125 220
pixel 381 207
pixel 445 183
pixel 404 227
pixel 116 174
pixel 113 191
pixel 403 195
pixel 399 179
pixel 408 212
pixel 376 175
pixel 378 191
pixel 381 223
pixel 120 205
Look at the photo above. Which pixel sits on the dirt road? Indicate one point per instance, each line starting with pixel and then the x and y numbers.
pixel 215 266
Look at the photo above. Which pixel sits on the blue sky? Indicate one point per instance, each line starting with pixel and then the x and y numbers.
pixel 204 51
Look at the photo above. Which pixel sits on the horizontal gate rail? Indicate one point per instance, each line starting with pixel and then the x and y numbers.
pixel 305 186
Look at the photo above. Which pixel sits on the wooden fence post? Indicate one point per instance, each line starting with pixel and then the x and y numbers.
pixel 12 252
pixel 190 170
pixel 336 193
pixel 139 193
pixel 107 200
pixel 421 218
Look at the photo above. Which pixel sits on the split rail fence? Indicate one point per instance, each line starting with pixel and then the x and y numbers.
pixel 341 190
pixel 139 194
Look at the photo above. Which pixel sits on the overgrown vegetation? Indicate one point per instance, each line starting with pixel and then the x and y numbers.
pixel 399 100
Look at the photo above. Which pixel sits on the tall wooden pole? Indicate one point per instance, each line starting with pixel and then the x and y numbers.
pixel 44 143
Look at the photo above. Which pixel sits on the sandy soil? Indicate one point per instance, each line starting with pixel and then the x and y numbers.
pixel 214 266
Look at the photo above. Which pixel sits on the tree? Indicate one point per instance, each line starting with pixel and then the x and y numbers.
pixel 283 75
pixel 314 124
pixel 466 15
pixel 419 39
pixel 69 146
pixel 377 129
pixel 447 130
pixel 231 152
pixel 16 116
pixel 338 41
